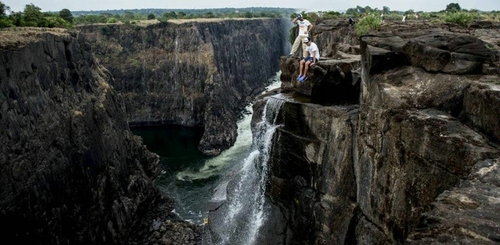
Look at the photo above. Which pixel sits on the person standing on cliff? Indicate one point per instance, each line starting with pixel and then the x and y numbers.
pixel 304 29
pixel 310 60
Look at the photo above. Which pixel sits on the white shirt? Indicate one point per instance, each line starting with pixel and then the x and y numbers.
pixel 303 25
pixel 311 48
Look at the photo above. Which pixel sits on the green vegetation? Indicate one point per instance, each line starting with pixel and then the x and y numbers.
pixel 461 18
pixel 33 16
pixel 66 15
pixel 368 23
pixel 453 7
pixel 367 18
pixel 136 15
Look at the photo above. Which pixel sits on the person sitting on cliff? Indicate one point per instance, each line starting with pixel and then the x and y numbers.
pixel 310 60
pixel 304 29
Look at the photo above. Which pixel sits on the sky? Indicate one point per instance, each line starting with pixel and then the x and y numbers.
pixel 307 5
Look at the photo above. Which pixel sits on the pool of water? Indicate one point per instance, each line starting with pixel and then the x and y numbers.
pixel 189 177
pixel 177 148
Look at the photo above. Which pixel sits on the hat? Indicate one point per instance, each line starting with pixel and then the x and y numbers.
pixel 306 40
pixel 299 16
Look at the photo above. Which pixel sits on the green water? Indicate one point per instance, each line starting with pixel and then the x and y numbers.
pixel 189 177
pixel 177 148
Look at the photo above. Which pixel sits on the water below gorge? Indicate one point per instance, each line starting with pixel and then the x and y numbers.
pixel 188 176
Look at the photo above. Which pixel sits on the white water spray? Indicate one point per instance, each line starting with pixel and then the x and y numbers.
pixel 246 210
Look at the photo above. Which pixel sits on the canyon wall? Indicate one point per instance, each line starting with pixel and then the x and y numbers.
pixel 197 73
pixel 405 152
pixel 71 172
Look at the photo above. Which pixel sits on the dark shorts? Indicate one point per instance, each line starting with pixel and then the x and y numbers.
pixel 308 59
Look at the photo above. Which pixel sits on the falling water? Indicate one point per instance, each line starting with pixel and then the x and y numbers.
pixel 193 180
pixel 245 210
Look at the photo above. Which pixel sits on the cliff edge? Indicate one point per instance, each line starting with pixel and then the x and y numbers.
pixel 391 142
pixel 71 172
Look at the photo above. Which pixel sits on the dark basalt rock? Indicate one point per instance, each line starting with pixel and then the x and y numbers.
pixel 196 74
pixel 331 81
pixel 414 160
pixel 71 172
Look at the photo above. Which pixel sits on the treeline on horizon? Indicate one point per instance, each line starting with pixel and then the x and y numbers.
pixel 34 17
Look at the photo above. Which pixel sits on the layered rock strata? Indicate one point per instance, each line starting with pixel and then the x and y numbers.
pixel 412 157
pixel 71 172
pixel 197 74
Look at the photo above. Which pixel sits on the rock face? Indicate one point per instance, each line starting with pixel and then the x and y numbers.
pixel 198 74
pixel 412 157
pixel 71 170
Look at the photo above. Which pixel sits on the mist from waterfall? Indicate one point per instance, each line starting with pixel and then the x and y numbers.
pixel 245 209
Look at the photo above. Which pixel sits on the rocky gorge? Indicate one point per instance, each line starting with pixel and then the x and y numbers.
pixel 71 170
pixel 393 139
pixel 194 73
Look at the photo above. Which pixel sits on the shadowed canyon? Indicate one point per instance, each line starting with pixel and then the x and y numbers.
pixel 392 139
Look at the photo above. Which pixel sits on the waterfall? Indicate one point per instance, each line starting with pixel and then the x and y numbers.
pixel 245 210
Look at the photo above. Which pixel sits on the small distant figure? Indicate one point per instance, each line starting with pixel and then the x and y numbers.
pixel 382 17
pixel 310 60
pixel 351 21
pixel 404 18
pixel 416 16
pixel 305 28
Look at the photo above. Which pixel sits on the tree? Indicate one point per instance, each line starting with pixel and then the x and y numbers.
pixel 16 18
pixel 4 21
pixel 170 15
pixel 151 16
pixel 453 7
pixel 386 10
pixel 3 9
pixel 66 15
pixel 368 9
pixel 360 9
pixel 209 15
pixel 53 20
pixel 32 16
pixel 112 20
pixel 128 15
pixel 409 12
pixel 352 12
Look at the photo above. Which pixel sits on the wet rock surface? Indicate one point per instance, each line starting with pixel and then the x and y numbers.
pixel 161 226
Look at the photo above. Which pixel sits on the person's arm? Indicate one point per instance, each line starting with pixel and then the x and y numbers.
pixel 313 58
pixel 309 28
pixel 295 20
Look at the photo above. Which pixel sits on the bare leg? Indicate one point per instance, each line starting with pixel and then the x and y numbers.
pixel 306 67
pixel 301 67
